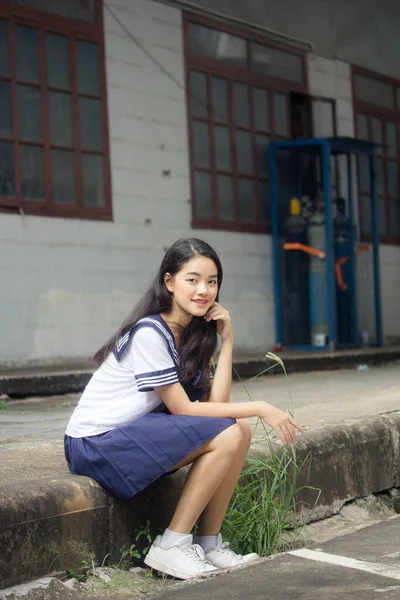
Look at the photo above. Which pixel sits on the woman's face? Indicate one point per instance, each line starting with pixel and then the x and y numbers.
pixel 195 286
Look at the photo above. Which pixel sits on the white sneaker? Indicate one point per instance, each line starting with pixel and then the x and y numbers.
pixel 222 557
pixel 183 561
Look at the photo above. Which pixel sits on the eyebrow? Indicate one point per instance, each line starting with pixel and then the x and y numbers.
pixel 198 274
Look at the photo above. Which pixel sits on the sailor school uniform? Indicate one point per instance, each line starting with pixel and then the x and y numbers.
pixel 121 434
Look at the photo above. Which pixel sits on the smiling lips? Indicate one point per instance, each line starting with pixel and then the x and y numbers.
pixel 201 302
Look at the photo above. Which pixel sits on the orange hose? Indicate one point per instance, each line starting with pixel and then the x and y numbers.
pixel 307 249
pixel 319 254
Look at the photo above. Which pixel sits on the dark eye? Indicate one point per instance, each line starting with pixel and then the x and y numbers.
pixel 213 282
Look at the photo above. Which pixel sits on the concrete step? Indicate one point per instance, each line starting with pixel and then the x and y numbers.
pixel 51 380
pixel 51 520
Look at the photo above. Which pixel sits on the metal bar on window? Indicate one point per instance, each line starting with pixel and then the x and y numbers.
pixel 211 149
pixel 45 120
pixel 233 151
pixel 17 175
pixel 256 200
pixel 76 136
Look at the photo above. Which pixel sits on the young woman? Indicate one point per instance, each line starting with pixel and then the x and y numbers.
pixel 152 407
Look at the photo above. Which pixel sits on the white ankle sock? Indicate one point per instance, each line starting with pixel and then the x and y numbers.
pixel 206 541
pixel 170 538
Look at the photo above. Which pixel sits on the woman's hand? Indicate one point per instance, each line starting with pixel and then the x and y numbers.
pixel 281 422
pixel 221 315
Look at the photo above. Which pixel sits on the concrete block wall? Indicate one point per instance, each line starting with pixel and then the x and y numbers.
pixel 67 284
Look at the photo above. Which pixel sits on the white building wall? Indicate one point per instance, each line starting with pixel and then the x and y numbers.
pixel 67 284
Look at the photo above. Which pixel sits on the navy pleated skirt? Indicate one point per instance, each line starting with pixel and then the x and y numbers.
pixel 127 459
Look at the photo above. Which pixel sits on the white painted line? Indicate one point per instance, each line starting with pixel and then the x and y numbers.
pixel 393 555
pixel 351 563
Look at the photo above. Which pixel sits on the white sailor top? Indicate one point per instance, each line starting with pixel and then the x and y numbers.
pixel 124 387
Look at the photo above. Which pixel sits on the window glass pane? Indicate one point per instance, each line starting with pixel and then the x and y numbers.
pixel 225 197
pixel 88 67
pixel 63 176
pixel 60 119
pixel 362 127
pixel 217 44
pixel 364 176
pixel 7 178
pixel 393 179
pixel 241 105
pixel 244 155
pixel 26 54
pixel 29 113
pixel 262 146
pixel 365 214
pixel 4 54
pixel 82 10
pixel 281 126
pixel 246 200
pixel 373 91
pixel 263 196
pixel 376 134
pixel 276 63
pixel 5 109
pixel 90 124
pixel 201 144
pixel 380 182
pixel 223 148
pixel 198 98
pixel 391 140
pixel 31 172
pixel 382 216
pixel 57 60
pixel 203 196
pixel 93 180
pixel 261 110
pixel 395 217
pixel 220 99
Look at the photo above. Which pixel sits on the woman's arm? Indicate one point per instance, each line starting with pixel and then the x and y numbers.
pixel 222 382
pixel 178 403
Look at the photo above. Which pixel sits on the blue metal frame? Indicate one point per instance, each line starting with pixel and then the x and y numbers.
pixel 326 147
pixel 375 242
pixel 330 255
pixel 275 241
pixel 352 231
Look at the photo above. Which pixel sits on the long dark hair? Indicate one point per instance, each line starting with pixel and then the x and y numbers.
pixel 199 339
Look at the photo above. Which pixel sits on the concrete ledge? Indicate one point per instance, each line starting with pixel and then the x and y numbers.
pixel 303 362
pixel 54 523
pixel 351 460
pixel 51 381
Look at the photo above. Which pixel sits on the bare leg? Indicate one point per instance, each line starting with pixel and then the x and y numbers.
pixel 213 515
pixel 209 469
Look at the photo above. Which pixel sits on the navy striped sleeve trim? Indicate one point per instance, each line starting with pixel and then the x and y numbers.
pixel 147 382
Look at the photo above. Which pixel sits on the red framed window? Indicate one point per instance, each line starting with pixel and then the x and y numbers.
pixel 377 115
pixel 54 157
pixel 239 99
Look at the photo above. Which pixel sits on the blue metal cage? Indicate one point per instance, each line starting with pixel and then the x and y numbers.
pixel 323 149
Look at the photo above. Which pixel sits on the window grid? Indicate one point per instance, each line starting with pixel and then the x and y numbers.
pixel 380 119
pixel 44 25
pixel 277 93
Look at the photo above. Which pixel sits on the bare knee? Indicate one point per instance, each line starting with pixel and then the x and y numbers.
pixel 229 440
pixel 246 431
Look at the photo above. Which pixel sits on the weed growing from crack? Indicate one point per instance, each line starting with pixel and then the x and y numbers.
pixel 263 514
